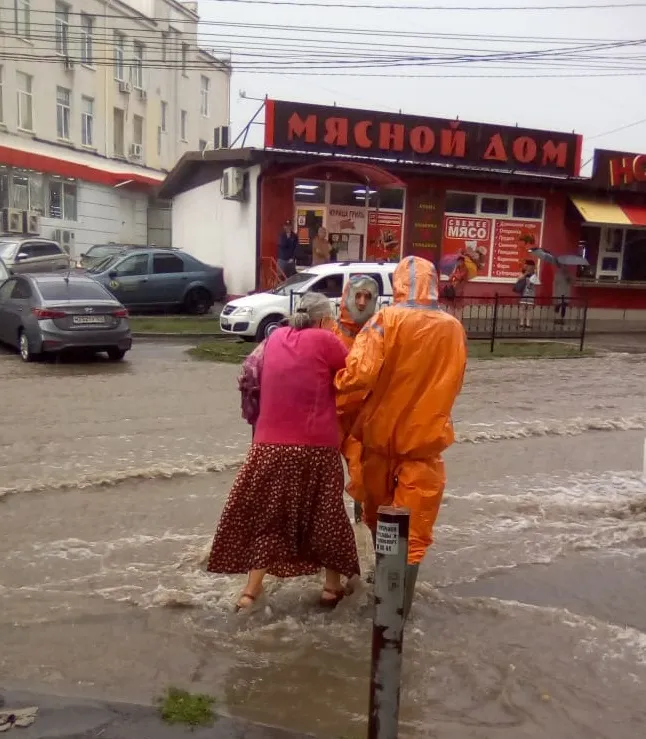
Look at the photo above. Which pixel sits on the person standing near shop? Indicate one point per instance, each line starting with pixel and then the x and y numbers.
pixel 287 246
pixel 320 247
pixel 561 292
pixel 526 288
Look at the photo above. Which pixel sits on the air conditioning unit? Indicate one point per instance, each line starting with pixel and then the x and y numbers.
pixel 68 64
pixel 221 137
pixel 65 238
pixel 143 95
pixel 136 151
pixel 12 220
pixel 233 183
pixel 125 87
pixel 31 222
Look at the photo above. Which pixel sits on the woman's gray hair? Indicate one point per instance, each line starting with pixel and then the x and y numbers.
pixel 313 308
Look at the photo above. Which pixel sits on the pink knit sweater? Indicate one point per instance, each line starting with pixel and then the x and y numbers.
pixel 297 401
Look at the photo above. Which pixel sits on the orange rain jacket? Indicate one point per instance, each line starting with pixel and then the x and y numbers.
pixel 395 396
pixel 346 328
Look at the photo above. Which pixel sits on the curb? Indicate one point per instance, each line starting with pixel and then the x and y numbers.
pixel 82 718
pixel 155 336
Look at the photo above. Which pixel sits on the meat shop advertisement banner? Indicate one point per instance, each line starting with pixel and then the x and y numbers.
pixel 497 246
pixel 330 130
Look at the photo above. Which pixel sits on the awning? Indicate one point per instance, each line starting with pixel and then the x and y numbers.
pixel 604 212
pixel 367 174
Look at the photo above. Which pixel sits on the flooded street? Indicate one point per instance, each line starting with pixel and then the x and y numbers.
pixel 530 615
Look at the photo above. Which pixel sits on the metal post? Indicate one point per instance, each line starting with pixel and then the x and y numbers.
pixel 495 321
pixel 391 552
pixel 585 320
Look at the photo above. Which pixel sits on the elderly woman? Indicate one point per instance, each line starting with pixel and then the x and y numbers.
pixel 285 515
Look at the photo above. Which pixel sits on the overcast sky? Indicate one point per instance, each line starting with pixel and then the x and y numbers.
pixel 588 105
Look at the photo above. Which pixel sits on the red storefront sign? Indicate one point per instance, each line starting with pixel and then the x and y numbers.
pixel 321 129
pixel 384 235
pixel 619 170
pixel 468 236
pixel 511 244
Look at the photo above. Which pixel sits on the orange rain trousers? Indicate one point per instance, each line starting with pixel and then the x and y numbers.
pixel 406 483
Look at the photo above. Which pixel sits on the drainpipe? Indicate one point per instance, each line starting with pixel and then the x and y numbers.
pixel 106 7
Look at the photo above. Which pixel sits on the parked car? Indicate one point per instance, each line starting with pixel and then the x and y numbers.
pixel 98 252
pixel 4 272
pixel 32 254
pixel 157 278
pixel 50 313
pixel 254 317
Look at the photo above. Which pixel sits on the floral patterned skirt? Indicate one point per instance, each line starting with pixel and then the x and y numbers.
pixel 286 513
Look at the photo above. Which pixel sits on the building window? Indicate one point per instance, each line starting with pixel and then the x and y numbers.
pixel 26 192
pixel 22 18
pixel 87 121
pixel 183 125
pixel 63 110
pixel 164 46
pixel 119 55
pixel 164 116
pixel 184 58
pixel 1 91
pixel 204 96
pixel 494 206
pixel 634 266
pixel 460 202
pixel 138 130
pixel 309 192
pixel 137 69
pixel 527 208
pixel 62 200
pixel 87 31
pixel 25 101
pixel 62 16
pixel 203 145
pixel 20 192
pixel 118 126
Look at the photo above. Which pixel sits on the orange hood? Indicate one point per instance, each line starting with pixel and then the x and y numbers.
pixel 415 282
pixel 350 321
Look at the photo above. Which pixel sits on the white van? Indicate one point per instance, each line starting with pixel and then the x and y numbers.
pixel 255 316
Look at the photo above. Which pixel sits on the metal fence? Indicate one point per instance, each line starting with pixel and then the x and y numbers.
pixel 505 317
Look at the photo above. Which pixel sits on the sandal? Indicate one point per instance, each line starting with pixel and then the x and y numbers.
pixel 331 603
pixel 248 596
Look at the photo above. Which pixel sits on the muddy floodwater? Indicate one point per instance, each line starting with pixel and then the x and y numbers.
pixel 530 613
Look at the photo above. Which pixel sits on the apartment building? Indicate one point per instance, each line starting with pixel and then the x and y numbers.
pixel 98 100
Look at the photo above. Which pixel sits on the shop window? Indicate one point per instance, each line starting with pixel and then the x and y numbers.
pixel 389 198
pixel 4 191
pixel 20 192
pixel 347 194
pixel 634 262
pixel 527 208
pixel 494 206
pixel 589 248
pixel 331 286
pixel 460 202
pixel 309 192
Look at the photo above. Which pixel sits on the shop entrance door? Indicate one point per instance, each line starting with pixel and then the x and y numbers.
pixel 308 222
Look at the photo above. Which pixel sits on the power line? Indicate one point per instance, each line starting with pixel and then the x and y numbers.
pixel 444 8
pixel 616 130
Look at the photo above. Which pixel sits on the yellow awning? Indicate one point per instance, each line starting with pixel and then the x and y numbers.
pixel 596 210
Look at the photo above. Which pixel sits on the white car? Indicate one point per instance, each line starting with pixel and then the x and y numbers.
pixel 254 317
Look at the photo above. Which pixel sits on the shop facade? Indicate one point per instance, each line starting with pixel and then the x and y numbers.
pixel 385 186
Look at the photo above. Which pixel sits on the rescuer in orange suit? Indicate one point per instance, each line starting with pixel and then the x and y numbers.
pixel 358 304
pixel 402 376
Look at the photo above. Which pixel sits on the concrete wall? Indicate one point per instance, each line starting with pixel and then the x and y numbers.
pixel 220 232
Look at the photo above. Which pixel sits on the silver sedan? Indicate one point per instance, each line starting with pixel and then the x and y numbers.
pixel 51 313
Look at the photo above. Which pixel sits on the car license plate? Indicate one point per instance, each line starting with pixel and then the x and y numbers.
pixel 85 320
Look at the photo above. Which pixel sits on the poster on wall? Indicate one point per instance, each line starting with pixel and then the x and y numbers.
pixel 468 236
pixel 384 235
pixel 346 220
pixel 511 244
pixel 424 233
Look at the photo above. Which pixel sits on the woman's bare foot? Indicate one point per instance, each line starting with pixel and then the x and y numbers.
pixel 246 601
